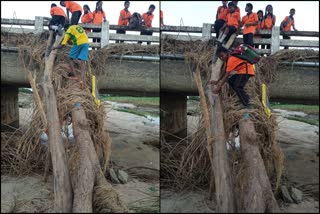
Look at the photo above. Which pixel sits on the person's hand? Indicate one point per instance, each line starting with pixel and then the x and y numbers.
pixel 213 82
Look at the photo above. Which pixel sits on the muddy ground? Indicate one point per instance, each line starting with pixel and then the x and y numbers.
pixel 300 144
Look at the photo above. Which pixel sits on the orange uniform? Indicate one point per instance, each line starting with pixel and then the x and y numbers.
pixel 147 19
pixel 233 19
pixel 87 18
pixel 239 65
pixel 73 6
pixel 251 18
pixel 237 10
pixel 57 11
pixel 124 14
pixel 161 14
pixel 222 13
pixel 98 17
pixel 290 23
pixel 268 22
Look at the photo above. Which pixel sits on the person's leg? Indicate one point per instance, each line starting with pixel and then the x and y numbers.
pixel 75 17
pixel 98 39
pixel 217 26
pixel 83 57
pixel 142 33
pixel 224 34
pixel 149 34
pixel 250 39
pixel 120 31
pixel 245 39
pixel 286 37
pixel 237 83
pixel 231 31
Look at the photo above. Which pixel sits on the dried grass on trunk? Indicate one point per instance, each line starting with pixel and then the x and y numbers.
pixel 186 164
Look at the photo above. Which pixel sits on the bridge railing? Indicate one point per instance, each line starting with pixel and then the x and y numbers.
pixel 105 36
pixel 274 42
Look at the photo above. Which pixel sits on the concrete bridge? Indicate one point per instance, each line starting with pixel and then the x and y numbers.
pixel 169 74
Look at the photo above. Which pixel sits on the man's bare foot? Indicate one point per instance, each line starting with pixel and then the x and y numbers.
pixel 81 85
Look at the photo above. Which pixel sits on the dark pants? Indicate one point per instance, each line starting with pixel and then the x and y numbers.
pixel 286 37
pixel 120 31
pixel 96 39
pixel 248 39
pixel 148 33
pixel 237 83
pixel 217 26
pixel 266 37
pixel 56 20
pixel 75 17
pixel 232 30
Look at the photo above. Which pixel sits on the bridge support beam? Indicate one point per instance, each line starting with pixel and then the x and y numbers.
pixel 173 116
pixel 9 107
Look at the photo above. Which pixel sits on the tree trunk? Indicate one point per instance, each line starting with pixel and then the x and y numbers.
pixel 62 185
pixel 257 195
pixel 224 189
pixel 105 198
pixel 82 176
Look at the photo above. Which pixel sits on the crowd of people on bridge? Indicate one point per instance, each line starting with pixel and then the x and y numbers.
pixel 228 21
pixel 98 16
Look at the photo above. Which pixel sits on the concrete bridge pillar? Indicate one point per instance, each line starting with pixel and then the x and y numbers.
pixel 173 115
pixel 9 107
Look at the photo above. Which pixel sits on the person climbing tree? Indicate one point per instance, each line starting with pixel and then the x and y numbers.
pixel 79 50
pixel 124 17
pixel 237 73
pixel 75 9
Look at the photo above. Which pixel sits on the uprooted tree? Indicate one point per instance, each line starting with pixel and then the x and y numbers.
pixel 78 167
pixel 244 180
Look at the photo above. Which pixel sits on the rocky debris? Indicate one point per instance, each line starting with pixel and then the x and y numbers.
pixel 296 195
pixel 114 177
pixel 285 194
pixel 123 176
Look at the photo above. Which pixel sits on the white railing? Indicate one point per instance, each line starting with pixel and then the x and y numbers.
pixel 275 42
pixel 105 36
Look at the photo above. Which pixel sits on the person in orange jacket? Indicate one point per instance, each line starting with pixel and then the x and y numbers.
pixel 260 18
pixel 87 16
pixel 232 24
pixel 250 22
pixel 99 16
pixel 269 20
pixel 287 23
pixel 221 17
pixel 58 18
pixel 124 17
pixel 147 21
pixel 237 73
pixel 75 9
